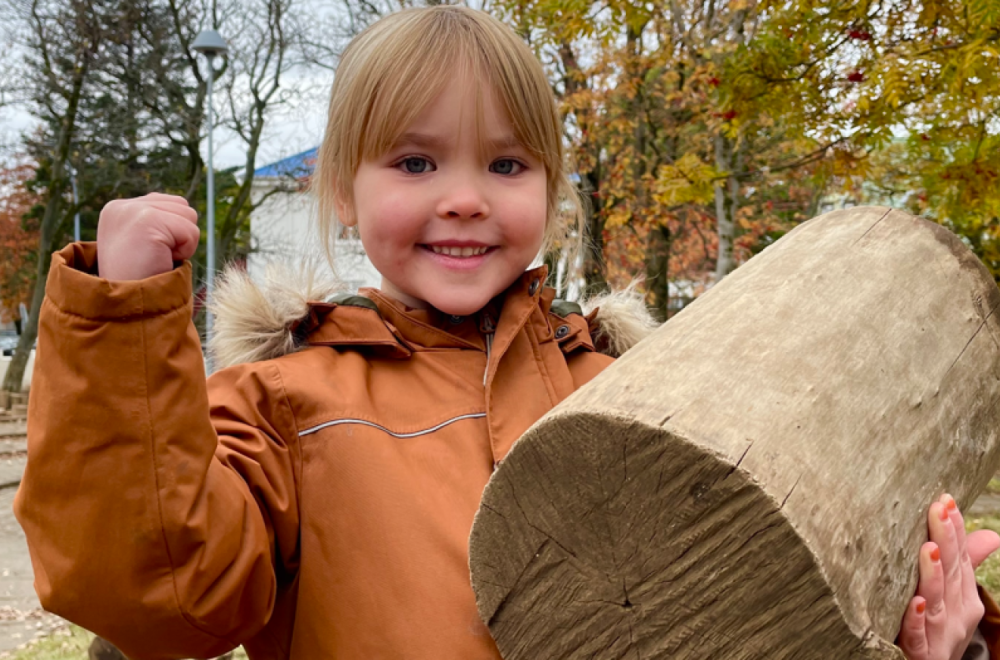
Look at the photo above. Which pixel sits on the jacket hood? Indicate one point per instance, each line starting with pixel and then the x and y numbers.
pixel 257 321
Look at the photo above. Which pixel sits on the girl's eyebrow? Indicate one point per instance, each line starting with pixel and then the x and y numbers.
pixel 505 142
pixel 420 140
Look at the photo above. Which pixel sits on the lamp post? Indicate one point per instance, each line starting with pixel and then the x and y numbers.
pixel 210 44
pixel 76 203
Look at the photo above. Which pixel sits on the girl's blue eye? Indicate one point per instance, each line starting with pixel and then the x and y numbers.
pixel 416 165
pixel 506 166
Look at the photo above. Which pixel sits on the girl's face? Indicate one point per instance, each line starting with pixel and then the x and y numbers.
pixel 446 225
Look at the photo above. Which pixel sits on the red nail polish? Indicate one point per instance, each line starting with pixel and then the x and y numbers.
pixel 921 607
pixel 935 554
pixel 944 513
pixel 951 504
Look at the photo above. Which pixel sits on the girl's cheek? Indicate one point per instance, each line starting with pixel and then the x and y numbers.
pixel 393 219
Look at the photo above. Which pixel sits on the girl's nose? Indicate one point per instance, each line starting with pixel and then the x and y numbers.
pixel 464 200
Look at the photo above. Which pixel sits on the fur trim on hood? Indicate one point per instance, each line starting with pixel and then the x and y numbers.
pixel 622 319
pixel 256 321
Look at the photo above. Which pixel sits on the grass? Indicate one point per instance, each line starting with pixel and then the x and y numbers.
pixel 66 644
pixel 69 643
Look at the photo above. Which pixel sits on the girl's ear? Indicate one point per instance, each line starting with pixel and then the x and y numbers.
pixel 345 213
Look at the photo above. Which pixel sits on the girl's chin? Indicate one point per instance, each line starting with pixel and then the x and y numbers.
pixel 464 307
pixel 452 298
pixel 463 301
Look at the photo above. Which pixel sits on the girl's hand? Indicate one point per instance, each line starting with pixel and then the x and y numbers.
pixel 141 237
pixel 942 617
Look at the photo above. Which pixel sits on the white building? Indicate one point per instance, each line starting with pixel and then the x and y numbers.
pixel 283 228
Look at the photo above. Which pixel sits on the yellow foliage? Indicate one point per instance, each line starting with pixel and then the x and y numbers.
pixel 808 97
pixel 688 181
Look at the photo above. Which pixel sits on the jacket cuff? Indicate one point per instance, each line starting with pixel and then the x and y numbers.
pixel 990 624
pixel 74 287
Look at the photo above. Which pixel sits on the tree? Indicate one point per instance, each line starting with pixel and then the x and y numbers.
pixel 653 138
pixel 702 130
pixel 64 42
pixel 18 238
pixel 123 108
pixel 931 82
pixel 264 51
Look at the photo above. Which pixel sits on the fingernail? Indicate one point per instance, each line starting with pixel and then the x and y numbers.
pixel 921 607
pixel 951 503
pixel 935 554
pixel 944 513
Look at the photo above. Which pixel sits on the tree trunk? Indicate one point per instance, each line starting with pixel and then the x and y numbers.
pixel 14 377
pixel 658 270
pixel 723 221
pixel 752 480
pixel 51 225
pixel 594 273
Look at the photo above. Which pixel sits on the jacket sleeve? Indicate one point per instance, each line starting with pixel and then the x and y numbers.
pixel 153 518
pixel 989 627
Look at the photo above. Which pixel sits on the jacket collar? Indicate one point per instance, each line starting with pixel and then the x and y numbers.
pixel 291 307
pixel 391 326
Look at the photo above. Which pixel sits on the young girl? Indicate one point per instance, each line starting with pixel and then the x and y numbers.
pixel 315 500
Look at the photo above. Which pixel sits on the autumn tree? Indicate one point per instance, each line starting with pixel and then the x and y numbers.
pixel 659 148
pixel 18 237
pixel 930 78
pixel 64 42
pixel 701 130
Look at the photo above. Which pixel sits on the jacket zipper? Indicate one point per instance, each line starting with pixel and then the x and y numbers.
pixel 487 328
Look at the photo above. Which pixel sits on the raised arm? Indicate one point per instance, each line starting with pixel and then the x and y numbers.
pixel 149 520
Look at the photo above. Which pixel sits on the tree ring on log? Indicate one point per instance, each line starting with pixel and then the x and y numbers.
pixel 593 527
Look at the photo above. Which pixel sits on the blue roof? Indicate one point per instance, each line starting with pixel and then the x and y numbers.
pixel 298 166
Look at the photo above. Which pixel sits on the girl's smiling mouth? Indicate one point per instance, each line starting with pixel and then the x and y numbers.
pixel 459 249
pixel 455 255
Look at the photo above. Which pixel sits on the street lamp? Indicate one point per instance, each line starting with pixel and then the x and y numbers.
pixel 76 203
pixel 210 44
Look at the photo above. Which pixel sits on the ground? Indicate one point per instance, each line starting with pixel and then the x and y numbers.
pixel 29 633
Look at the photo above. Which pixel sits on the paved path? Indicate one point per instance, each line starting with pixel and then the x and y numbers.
pixel 21 616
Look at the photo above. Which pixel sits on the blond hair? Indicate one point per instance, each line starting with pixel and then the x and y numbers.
pixel 390 72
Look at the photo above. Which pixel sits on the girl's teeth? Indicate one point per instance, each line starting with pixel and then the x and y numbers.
pixel 458 251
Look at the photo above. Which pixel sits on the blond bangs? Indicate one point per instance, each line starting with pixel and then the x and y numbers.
pixel 399 65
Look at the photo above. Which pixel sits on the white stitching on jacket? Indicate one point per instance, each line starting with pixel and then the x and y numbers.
pixel 363 422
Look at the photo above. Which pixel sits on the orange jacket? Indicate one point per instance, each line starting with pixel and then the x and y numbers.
pixel 315 505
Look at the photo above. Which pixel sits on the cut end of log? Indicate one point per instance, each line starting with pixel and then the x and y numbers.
pixel 608 538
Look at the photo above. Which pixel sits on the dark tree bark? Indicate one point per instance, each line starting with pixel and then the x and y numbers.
pixel 657 270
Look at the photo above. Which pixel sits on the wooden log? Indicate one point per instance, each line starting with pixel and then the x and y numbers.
pixel 752 480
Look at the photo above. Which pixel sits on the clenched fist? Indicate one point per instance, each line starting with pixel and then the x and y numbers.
pixel 142 237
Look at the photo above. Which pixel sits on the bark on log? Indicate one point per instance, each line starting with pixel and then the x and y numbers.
pixel 752 480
